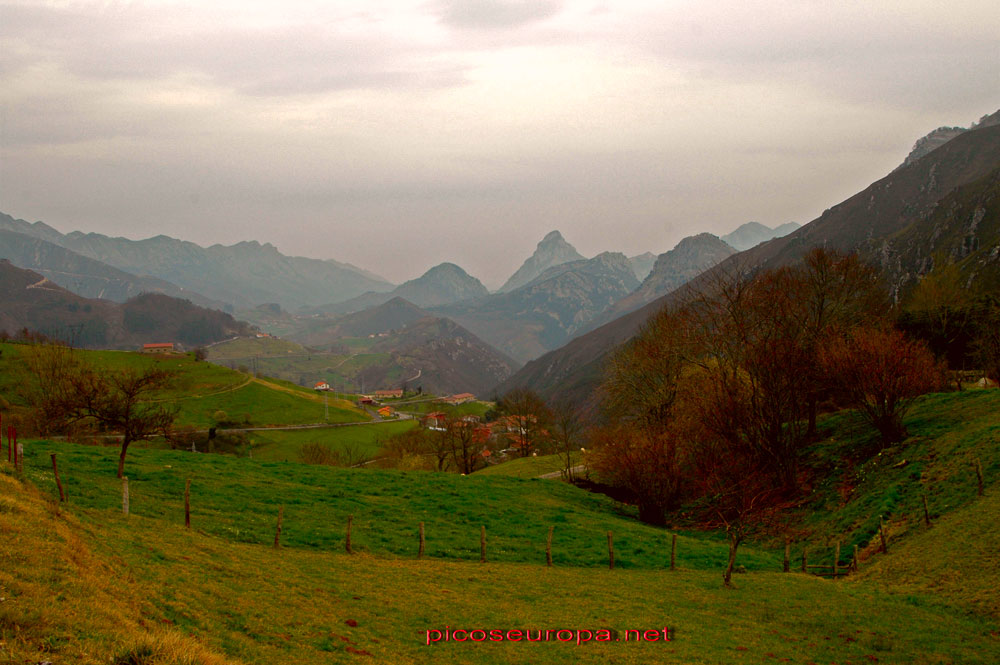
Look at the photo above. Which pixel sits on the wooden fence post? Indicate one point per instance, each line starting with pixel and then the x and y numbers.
pixel 548 548
pixel 673 551
pixel 927 515
pixel 804 568
pixel 277 530
pixel 854 561
pixel 836 560
pixel 420 552
pixel 125 495
pixel 10 446
pixel 347 541
pixel 788 553
pixel 55 470
pixel 611 551
pixel 482 544
pixel 979 477
pixel 881 533
pixel 18 456
pixel 187 504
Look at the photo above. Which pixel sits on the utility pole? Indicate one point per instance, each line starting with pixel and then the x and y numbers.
pixel 326 406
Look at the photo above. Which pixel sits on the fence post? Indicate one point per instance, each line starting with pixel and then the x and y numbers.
pixel 788 553
pixel 611 551
pixel 804 568
pixel 927 515
pixel 125 495
pixel 420 552
pixel 854 562
pixel 277 530
pixel 55 470
pixel 979 477
pixel 673 550
pixel 187 504
pixel 548 548
pixel 836 560
pixel 881 533
pixel 18 456
pixel 482 544
pixel 347 541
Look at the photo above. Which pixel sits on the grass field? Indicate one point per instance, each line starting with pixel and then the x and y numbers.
pixel 92 585
pixel 949 433
pixel 201 389
pixel 283 445
pixel 84 583
pixel 529 467
pixel 237 499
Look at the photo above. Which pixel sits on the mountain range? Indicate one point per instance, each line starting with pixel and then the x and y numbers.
pixel 402 340
pixel 242 275
pixel 754 233
pixel 441 285
pixel 939 209
pixel 545 312
pixel 31 300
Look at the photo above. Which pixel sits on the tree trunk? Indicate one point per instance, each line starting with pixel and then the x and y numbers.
pixel 811 427
pixel 727 578
pixel 121 457
pixel 891 429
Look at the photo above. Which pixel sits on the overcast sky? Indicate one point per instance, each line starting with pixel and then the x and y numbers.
pixel 397 135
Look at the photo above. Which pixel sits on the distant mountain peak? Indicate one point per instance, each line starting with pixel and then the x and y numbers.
pixel 753 233
pixel 553 250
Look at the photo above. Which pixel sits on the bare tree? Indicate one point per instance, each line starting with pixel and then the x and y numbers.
pixel 529 419
pixel 118 400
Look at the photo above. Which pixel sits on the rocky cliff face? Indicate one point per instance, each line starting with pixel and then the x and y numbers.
pixel 691 257
pixel 553 250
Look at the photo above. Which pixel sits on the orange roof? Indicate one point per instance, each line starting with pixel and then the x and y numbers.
pixel 163 345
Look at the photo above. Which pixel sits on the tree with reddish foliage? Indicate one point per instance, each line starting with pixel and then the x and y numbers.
pixel 753 362
pixel 836 291
pixel 739 491
pixel 880 372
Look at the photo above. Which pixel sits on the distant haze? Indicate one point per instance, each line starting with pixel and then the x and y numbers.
pixel 399 135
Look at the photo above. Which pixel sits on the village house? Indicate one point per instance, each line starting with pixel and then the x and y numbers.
pixel 460 398
pixel 321 385
pixel 165 347
pixel 389 394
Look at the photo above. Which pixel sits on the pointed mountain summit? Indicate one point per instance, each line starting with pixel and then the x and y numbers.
pixel 553 250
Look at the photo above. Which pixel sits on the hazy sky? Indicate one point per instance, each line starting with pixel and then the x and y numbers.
pixel 396 135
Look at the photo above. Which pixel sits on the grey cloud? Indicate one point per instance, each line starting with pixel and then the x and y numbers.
pixel 495 14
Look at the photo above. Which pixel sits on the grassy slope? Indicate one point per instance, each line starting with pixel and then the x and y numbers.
pixel 528 467
pixel 94 586
pixel 949 431
pixel 237 499
pixel 956 558
pixel 200 389
pixel 284 445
